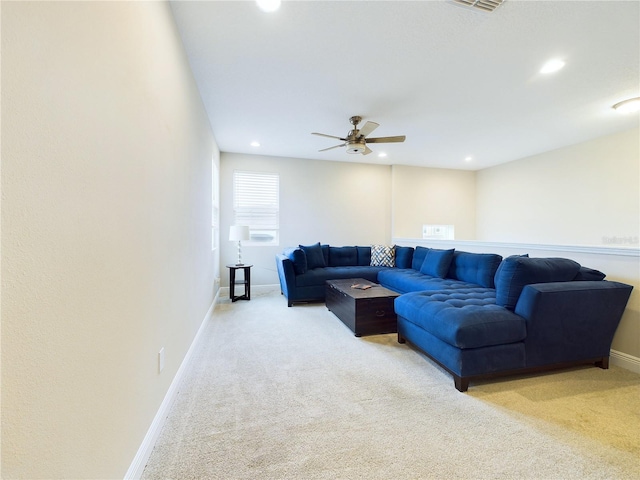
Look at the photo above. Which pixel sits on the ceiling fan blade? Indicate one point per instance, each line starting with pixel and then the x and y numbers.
pixel 335 146
pixel 329 136
pixel 367 150
pixel 368 128
pixel 399 138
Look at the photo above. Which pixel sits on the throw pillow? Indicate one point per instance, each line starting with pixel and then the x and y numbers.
pixel 589 274
pixel 516 272
pixel 383 256
pixel 418 257
pixel 436 262
pixel 404 256
pixel 299 259
pixel 364 256
pixel 315 257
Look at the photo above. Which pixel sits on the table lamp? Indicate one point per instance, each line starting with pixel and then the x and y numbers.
pixel 237 233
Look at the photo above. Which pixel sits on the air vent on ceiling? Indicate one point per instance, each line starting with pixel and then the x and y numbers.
pixel 484 5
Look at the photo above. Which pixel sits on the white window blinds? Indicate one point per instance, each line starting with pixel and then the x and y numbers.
pixel 256 203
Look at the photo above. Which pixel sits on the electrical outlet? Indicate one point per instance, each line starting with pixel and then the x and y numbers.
pixel 161 360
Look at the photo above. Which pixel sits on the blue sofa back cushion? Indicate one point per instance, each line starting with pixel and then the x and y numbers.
pixel 516 271
pixel 299 259
pixel 314 255
pixel 343 256
pixel 478 268
pixel 437 262
pixel 364 256
pixel 325 253
pixel 404 257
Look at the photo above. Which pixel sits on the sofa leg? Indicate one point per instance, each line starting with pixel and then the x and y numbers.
pixel 289 304
pixel 401 339
pixel 603 363
pixel 462 384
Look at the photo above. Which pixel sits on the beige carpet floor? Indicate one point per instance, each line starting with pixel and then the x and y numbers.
pixel 289 393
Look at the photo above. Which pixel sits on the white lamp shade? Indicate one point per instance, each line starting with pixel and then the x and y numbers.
pixel 238 233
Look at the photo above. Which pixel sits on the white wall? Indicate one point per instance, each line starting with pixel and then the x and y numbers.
pixel 433 196
pixel 338 203
pixel 106 233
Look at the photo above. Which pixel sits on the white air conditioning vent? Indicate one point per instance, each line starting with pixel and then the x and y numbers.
pixel 484 5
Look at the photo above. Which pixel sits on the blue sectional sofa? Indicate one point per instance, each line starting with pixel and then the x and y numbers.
pixel 477 315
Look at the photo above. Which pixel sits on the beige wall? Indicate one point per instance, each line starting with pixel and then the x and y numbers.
pixel 585 194
pixel 433 196
pixel 339 203
pixel 106 233
pixel 582 195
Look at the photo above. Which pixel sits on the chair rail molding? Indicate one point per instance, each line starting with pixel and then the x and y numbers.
pixel 589 249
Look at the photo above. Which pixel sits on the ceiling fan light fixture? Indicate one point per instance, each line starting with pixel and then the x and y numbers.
pixel 356 148
pixel 630 105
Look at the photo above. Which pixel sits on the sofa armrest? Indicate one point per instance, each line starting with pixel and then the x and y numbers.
pixel 571 321
pixel 286 274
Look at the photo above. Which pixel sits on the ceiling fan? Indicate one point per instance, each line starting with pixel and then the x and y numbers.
pixel 356 141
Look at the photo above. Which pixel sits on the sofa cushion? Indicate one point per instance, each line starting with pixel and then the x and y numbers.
pixel 343 256
pixel 478 268
pixel 404 256
pixel 405 280
pixel 589 274
pixel 383 256
pixel 325 253
pixel 463 318
pixel 418 257
pixel 314 255
pixel 436 262
pixel 299 259
pixel 364 256
pixel 318 276
pixel 515 272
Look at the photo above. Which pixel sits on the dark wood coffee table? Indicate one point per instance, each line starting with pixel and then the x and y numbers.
pixel 365 312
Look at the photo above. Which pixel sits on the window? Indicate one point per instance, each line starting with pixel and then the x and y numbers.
pixel 256 202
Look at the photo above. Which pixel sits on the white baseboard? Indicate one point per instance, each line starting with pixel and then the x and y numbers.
pixel 625 360
pixel 144 452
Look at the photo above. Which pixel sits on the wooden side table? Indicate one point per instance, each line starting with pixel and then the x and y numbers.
pixel 246 281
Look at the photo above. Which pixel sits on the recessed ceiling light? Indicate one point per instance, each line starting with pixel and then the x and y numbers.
pixel 628 106
pixel 255 144
pixel 552 66
pixel 382 155
pixel 268 5
pixel 468 159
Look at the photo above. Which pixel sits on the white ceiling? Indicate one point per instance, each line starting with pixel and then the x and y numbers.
pixel 455 81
